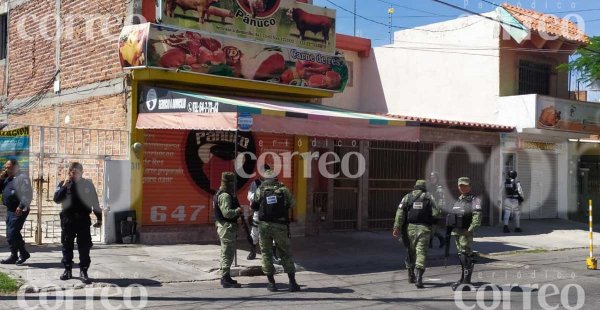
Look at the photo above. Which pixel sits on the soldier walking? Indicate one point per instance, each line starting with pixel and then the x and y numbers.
pixel 464 219
pixel 273 201
pixel 227 211
pixel 418 210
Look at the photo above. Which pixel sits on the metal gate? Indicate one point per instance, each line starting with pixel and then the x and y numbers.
pixel 588 187
pixel 344 211
pixel 50 152
pixel 394 167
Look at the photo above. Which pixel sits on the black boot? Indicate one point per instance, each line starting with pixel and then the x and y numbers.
pixel 252 254
pixel 24 256
pixel 228 282
pixel 83 275
pixel 518 230
pixel 271 287
pixel 68 274
pixel 462 273
pixel 469 270
pixel 506 230
pixel 442 240
pixel 276 259
pixel 411 275
pixel 294 287
pixel 419 283
pixel 11 259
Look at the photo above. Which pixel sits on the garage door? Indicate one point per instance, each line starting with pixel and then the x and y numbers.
pixel 538 175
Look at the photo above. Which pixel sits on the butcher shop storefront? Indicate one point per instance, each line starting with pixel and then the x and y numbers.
pixel 212 89
pixel 190 138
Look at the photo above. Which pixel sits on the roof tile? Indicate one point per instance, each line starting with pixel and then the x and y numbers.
pixel 547 23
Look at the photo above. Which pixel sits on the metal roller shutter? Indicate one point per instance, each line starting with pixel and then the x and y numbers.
pixel 537 173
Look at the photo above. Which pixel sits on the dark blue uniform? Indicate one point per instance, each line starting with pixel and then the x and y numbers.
pixel 16 193
pixel 78 200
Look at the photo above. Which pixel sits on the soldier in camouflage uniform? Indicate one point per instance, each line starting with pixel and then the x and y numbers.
pixel 417 209
pixel 273 201
pixel 465 218
pixel 227 211
pixel 439 224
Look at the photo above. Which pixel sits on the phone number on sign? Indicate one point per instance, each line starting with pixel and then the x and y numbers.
pixel 163 214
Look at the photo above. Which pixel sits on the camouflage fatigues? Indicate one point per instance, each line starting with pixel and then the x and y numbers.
pixel 472 204
pixel 227 230
pixel 418 234
pixel 270 231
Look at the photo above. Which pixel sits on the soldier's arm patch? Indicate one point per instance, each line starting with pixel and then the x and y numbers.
pixel 477 204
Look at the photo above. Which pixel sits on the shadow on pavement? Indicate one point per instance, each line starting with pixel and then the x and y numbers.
pixel 58 265
pixel 125 282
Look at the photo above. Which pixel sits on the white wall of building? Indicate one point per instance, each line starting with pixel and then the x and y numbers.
pixel 451 71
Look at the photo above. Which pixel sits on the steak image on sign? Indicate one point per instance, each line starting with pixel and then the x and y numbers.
pixel 195 52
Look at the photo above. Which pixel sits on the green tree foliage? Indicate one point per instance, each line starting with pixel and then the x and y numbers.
pixel 587 62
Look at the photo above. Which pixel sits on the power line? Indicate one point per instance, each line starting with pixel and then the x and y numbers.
pixel 412 9
pixel 397 27
pixel 543 21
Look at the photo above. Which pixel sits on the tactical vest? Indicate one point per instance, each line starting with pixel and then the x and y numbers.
pixel 511 189
pixel 461 214
pixel 218 214
pixel 273 207
pixel 420 211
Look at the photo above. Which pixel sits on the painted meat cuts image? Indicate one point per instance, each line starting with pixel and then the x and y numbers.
pixel 195 52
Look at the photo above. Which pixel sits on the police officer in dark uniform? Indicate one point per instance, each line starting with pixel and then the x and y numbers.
pixel 78 198
pixel 464 219
pixel 16 196
pixel 513 197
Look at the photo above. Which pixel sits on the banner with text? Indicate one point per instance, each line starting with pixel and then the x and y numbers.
pixel 151 45
pixel 567 115
pixel 281 22
pixel 14 144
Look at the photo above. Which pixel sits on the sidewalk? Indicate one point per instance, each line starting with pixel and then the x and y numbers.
pixel 333 253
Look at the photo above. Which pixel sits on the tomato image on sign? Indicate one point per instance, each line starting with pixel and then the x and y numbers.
pixel 210 153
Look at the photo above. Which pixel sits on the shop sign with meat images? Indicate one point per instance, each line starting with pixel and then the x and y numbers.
pixel 281 22
pixel 151 45
pixel 560 114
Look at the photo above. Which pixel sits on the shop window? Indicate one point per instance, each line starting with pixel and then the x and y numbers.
pixel 534 78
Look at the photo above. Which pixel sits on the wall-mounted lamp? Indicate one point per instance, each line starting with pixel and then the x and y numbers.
pixel 137 148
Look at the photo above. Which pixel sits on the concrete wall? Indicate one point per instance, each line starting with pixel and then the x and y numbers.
pixel 437 73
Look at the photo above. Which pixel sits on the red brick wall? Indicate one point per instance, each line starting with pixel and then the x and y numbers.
pixel 106 112
pixel 31 63
pixel 88 54
pixel 84 59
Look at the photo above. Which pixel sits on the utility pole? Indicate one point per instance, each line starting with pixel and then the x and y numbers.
pixel 391 33
pixel 355 18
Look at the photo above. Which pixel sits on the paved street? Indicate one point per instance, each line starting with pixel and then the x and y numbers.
pixel 337 271
pixel 362 286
